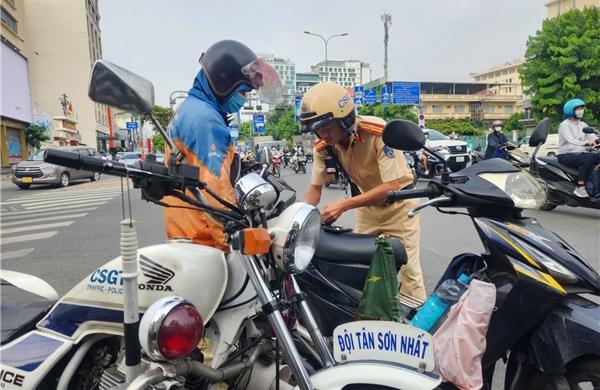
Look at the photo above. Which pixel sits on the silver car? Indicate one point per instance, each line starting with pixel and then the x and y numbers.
pixel 34 170
pixel 130 158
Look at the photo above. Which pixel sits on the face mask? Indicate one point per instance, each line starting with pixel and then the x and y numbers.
pixel 579 113
pixel 234 104
pixel 498 128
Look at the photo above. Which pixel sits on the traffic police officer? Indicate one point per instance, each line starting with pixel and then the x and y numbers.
pixel 328 111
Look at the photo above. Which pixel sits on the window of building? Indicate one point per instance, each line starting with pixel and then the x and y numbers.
pixel 484 77
pixel 423 109
pixel 459 109
pixel 9 21
pixel 497 74
pixel 505 72
pixel 513 70
pixel 488 109
pixel 509 109
pixel 437 109
pixel 477 78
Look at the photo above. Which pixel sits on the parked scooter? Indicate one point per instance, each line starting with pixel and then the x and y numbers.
pixel 434 164
pixel 90 340
pixel 514 155
pixel 561 179
pixel 549 329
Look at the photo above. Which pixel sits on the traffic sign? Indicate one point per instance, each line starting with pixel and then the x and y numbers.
pixel 297 101
pixel 132 125
pixel 406 92
pixel 371 96
pixel 359 93
pixel 233 130
pixel 385 95
pixel 259 123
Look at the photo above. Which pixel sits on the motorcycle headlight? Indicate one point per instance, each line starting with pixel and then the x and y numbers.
pixel 525 190
pixel 253 192
pixel 296 234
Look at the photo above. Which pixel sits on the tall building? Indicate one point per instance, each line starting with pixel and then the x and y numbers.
pixel 559 7
pixel 16 110
pixel 304 81
pixel 503 79
pixel 66 34
pixel 287 72
pixel 348 73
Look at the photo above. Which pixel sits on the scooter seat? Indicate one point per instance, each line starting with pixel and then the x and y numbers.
pixel 344 247
pixel 20 310
pixel 554 162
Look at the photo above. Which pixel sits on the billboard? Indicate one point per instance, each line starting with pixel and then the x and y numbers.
pixel 258 120
pixel 44 119
pixel 16 91
pixel 406 92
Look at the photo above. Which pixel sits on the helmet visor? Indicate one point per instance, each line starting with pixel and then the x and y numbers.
pixel 265 80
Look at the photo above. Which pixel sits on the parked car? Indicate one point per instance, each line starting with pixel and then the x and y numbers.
pixel 34 170
pixel 118 155
pixel 130 157
pixel 548 149
pixel 459 150
pixel 160 157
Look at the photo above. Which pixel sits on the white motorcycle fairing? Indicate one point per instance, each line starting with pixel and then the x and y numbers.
pixel 196 272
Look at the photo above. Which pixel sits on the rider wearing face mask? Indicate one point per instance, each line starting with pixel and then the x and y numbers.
pixel 572 142
pixel 201 133
pixel 495 140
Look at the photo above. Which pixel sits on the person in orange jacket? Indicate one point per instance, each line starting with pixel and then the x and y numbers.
pixel 200 131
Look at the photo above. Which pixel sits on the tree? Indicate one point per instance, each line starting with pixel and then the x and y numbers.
pixel 35 135
pixel 163 115
pixel 462 126
pixel 245 130
pixel 389 112
pixel 562 62
pixel 281 124
pixel 512 123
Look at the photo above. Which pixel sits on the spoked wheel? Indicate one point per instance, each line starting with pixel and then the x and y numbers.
pixel 582 373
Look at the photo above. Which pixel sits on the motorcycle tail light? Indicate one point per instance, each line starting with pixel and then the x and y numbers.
pixel 170 329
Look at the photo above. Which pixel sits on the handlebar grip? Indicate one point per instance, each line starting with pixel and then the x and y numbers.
pixel 76 161
pixel 395 196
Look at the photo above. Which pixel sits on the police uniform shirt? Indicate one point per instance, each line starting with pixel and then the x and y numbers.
pixel 369 162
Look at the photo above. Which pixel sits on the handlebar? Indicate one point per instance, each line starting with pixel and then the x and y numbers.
pixel 427 192
pixel 77 161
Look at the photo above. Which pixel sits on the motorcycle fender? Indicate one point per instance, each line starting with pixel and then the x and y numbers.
pixel 373 373
pixel 569 331
pixel 28 359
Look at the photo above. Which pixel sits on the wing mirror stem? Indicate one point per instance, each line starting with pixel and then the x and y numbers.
pixel 162 132
pixel 445 172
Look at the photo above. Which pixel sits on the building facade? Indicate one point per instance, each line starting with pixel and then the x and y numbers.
pixel 66 34
pixel 559 7
pixel 348 73
pixel 304 81
pixel 503 79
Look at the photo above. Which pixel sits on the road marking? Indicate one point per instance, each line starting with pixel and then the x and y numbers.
pixel 15 254
pixel 63 195
pixel 51 204
pixel 36 227
pixel 58 208
pixel 27 237
pixel 4 224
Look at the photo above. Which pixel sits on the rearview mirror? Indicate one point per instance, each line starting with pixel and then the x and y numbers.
pixel 589 130
pixel 403 135
pixel 117 87
pixel 540 133
pixel 265 156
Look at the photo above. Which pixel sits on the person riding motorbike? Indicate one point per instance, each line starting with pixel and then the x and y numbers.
pixel 298 150
pixel 200 131
pixel 495 140
pixel 355 143
pixel 572 142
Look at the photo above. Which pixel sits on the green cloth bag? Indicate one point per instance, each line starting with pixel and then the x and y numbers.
pixel 380 301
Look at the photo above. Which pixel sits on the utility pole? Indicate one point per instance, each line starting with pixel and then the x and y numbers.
pixel 387 21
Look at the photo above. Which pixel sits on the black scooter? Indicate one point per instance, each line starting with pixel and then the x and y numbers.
pixel 542 326
pixel 561 179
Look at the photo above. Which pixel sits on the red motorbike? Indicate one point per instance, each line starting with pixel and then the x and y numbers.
pixel 276 166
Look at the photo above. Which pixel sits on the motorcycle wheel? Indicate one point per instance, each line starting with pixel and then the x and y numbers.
pixel 303 168
pixel 277 172
pixel 547 206
pixel 582 373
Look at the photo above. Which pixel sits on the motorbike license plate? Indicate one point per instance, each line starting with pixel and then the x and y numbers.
pixel 460 159
pixel 27 180
pixel 384 341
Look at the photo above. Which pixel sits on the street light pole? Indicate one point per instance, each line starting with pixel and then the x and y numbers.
pixel 326 41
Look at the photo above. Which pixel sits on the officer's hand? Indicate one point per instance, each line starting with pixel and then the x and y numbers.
pixel 332 212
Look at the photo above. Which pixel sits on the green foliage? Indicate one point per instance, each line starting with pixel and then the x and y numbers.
pixel 512 123
pixel 163 115
pixel 35 135
pixel 563 62
pixel 389 112
pixel 462 126
pixel 158 143
pixel 245 130
pixel 281 123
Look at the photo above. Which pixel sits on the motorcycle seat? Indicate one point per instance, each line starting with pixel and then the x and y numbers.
pixel 554 162
pixel 20 310
pixel 345 247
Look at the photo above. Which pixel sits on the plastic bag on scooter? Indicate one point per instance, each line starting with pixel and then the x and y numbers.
pixel 592 185
pixel 460 342
pixel 379 300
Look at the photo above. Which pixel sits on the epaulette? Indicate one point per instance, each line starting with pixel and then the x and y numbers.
pixel 371 127
pixel 320 145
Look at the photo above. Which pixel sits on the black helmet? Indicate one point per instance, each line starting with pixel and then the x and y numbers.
pixel 223 63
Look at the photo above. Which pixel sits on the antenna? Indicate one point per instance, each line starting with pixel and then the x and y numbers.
pixel 387 21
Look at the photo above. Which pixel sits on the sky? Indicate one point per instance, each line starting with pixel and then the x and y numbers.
pixel 429 40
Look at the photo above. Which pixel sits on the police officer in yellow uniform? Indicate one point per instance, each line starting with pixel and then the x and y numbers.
pixel 328 111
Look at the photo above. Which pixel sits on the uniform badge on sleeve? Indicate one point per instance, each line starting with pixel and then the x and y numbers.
pixel 388 152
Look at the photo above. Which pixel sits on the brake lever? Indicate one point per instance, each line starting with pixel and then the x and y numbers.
pixel 430 202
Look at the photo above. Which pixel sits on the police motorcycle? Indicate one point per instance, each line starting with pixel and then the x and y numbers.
pixel 543 325
pixel 137 321
pixel 561 179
